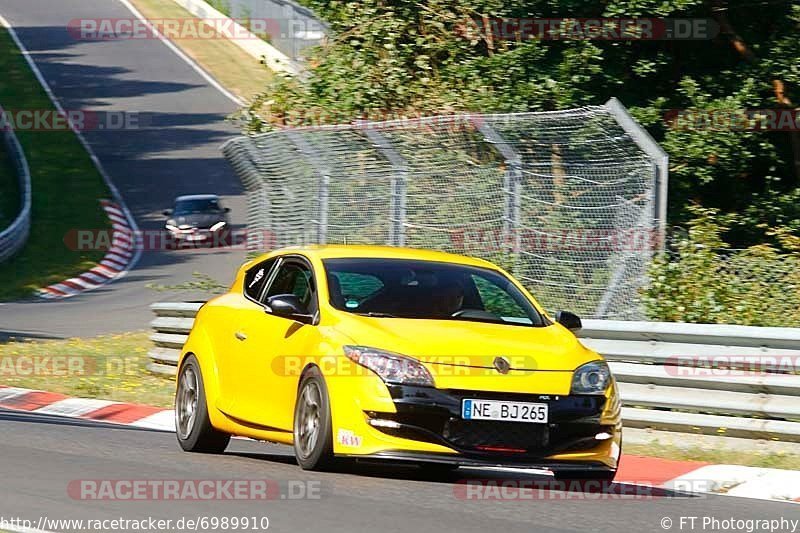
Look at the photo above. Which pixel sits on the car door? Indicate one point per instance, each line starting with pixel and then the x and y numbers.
pixel 256 281
pixel 274 349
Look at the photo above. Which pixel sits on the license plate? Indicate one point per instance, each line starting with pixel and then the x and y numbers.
pixel 536 413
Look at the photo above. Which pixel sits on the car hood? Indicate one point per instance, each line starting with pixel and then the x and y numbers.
pixel 198 220
pixel 470 344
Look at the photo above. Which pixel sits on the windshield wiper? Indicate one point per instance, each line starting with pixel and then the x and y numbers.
pixel 377 315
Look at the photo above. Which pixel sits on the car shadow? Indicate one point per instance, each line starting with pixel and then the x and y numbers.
pixel 489 483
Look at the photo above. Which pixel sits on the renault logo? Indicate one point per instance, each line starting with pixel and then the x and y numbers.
pixel 502 365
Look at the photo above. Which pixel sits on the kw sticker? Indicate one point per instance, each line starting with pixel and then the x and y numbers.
pixel 345 437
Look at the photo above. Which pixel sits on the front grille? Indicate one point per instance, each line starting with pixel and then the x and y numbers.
pixel 474 434
pixel 434 415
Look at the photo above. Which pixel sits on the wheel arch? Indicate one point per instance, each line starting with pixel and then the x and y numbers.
pixel 199 346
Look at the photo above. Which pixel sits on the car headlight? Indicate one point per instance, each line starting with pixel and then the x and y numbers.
pixel 591 378
pixel 391 367
pixel 217 226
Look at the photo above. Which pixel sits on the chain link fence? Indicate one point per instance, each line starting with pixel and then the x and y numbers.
pixel 14 237
pixel 571 202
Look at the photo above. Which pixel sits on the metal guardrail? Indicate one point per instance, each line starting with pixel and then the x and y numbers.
pixel 14 237
pixel 660 367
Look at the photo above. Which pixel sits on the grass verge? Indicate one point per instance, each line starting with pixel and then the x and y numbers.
pixel 9 188
pixel 109 367
pixel 66 188
pixel 786 461
pixel 235 69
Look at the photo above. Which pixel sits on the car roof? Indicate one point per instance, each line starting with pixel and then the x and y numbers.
pixel 344 251
pixel 197 197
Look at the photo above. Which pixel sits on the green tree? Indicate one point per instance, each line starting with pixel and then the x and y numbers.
pixel 409 58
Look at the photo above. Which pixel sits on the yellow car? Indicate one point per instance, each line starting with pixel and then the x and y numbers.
pixel 395 354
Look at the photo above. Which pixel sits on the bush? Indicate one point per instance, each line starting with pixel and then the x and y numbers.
pixel 406 58
pixel 700 280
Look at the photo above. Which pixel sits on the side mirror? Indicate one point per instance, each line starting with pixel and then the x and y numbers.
pixel 571 321
pixel 167 212
pixel 289 306
pixel 227 209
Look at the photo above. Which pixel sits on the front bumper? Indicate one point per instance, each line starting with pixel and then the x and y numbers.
pixel 583 431
pixel 192 234
pixel 487 462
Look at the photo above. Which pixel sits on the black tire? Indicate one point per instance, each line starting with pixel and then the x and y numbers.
pixel 197 434
pixel 313 453
pixel 606 476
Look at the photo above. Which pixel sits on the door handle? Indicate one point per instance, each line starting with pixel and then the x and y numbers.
pixel 241 336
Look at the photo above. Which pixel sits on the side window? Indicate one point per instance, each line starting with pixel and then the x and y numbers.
pixel 256 277
pixel 497 301
pixel 294 278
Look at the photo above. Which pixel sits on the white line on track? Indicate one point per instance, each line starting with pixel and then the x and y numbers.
pixel 191 62
pixel 95 160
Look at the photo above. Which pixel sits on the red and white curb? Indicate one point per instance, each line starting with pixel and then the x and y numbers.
pixel 114 265
pixel 51 403
pixel 680 476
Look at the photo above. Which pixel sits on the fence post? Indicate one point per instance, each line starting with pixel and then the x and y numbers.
pixel 317 162
pixel 512 183
pixel 397 236
pixel 657 154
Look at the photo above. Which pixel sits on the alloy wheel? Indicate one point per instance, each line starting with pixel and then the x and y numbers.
pixel 308 423
pixel 186 402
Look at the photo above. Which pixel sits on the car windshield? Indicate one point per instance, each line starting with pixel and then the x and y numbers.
pixel 401 288
pixel 189 207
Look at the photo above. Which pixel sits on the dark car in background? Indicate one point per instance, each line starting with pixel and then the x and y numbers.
pixel 198 218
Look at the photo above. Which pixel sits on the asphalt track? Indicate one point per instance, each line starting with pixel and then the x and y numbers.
pixel 174 150
pixel 41 455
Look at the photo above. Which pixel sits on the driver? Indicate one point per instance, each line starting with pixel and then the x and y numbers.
pixel 449 299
